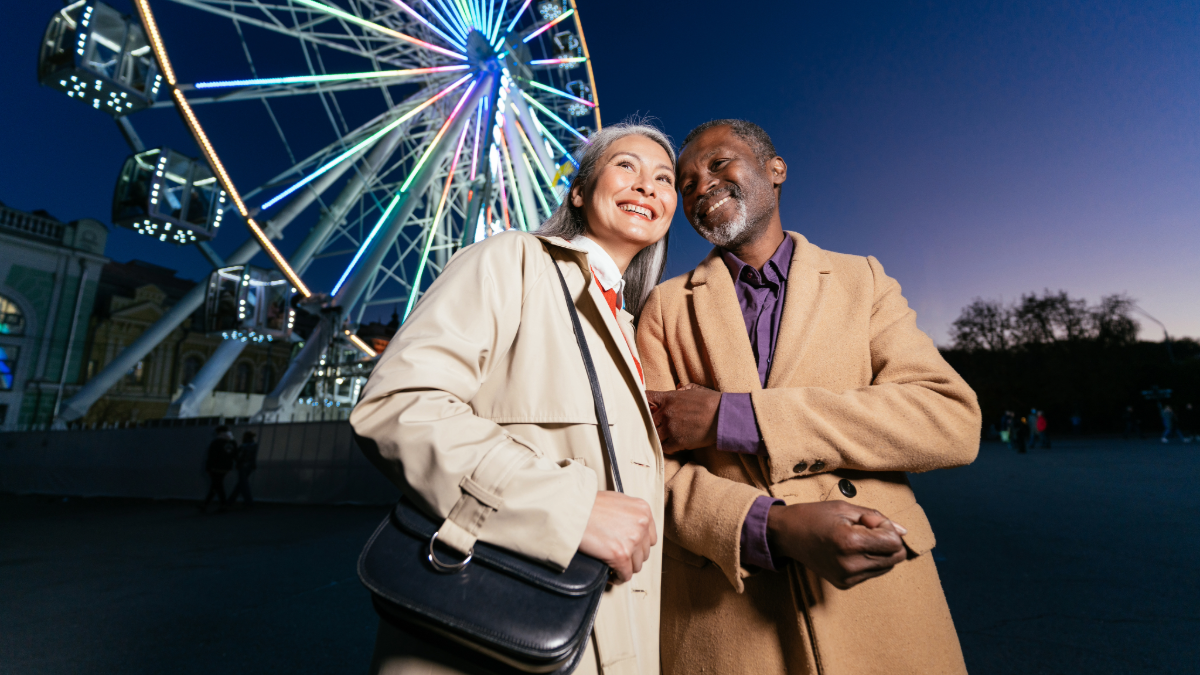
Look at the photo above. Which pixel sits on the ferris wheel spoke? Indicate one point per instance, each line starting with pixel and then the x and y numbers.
pixel 370 25
pixel 315 79
pixel 450 25
pixel 515 19
pixel 550 113
pixel 362 144
pixel 547 26
pixel 416 15
pixel 558 92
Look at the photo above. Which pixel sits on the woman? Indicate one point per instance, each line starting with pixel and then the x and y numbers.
pixel 481 411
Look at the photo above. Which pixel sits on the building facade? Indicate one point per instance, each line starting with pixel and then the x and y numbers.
pixel 49 273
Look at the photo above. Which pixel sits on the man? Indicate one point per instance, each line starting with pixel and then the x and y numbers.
pixel 797 390
pixel 218 463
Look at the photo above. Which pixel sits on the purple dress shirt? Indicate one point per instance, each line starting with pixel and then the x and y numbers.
pixel 760 297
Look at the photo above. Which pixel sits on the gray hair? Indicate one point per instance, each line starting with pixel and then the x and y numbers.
pixel 646 268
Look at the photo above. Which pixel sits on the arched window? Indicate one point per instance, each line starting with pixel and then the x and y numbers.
pixel 267 379
pixel 12 319
pixel 243 378
pixel 191 366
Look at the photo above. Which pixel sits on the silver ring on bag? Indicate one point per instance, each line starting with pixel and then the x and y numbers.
pixel 443 567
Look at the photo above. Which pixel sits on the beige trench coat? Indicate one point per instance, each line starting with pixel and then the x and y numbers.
pixel 856 393
pixel 480 409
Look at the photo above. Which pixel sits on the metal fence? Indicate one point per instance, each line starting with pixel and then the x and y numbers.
pixel 303 463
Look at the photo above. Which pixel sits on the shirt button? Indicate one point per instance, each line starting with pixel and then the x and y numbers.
pixel 799 468
pixel 817 466
pixel 847 488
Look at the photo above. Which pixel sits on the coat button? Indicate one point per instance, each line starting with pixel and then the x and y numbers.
pixel 817 466
pixel 799 468
pixel 847 488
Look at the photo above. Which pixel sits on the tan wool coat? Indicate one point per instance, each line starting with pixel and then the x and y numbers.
pixel 856 392
pixel 480 410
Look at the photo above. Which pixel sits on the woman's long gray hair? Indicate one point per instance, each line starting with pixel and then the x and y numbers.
pixel 646 268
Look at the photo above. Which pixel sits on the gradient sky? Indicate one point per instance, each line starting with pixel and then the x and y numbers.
pixel 976 148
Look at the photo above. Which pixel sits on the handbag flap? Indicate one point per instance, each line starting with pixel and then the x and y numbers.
pixel 584 575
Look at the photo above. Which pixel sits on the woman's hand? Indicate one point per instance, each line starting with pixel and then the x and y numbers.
pixel 620 532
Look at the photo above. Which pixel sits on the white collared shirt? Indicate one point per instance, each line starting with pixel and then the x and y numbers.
pixel 603 266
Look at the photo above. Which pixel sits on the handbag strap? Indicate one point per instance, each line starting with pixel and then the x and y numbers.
pixel 597 397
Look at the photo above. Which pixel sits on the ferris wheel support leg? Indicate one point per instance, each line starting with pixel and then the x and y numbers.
pixel 539 147
pixel 78 405
pixel 188 403
pixel 282 399
pixel 355 187
pixel 481 196
pixel 523 179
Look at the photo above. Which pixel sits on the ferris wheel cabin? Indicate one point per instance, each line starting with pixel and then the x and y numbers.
pixel 250 304
pixel 169 196
pixel 95 54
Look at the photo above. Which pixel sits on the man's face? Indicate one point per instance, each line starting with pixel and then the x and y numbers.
pixel 728 195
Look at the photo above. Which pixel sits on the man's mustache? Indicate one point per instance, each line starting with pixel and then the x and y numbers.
pixel 705 201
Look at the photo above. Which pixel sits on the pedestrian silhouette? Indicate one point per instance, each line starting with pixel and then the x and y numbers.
pixel 246 461
pixel 217 464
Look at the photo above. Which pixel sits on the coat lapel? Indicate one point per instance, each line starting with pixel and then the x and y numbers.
pixel 807 280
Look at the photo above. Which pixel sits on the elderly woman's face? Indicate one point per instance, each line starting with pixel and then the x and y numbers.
pixel 631 197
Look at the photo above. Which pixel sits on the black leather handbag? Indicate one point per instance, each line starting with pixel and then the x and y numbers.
pixel 516 615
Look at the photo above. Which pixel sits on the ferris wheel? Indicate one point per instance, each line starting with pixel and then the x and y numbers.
pixel 444 122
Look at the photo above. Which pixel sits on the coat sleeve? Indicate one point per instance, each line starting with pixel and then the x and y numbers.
pixel 917 414
pixel 416 424
pixel 704 512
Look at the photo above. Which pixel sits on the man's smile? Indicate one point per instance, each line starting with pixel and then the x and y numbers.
pixel 714 207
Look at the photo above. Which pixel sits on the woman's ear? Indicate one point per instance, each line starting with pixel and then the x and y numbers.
pixel 577 197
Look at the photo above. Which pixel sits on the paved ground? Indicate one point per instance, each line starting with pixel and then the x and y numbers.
pixel 1081 559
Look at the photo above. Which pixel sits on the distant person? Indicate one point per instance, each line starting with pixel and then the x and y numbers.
pixel 1040 425
pixel 217 464
pixel 1031 424
pixel 1020 434
pixel 246 461
pixel 1006 427
pixel 1171 427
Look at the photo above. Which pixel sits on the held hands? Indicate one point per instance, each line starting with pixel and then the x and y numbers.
pixel 619 533
pixel 842 543
pixel 685 418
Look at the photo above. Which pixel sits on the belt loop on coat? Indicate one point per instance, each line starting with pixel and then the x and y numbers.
pixel 480 499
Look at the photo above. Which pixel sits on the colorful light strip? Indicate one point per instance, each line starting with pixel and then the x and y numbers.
pixel 541 169
pixel 512 176
pixel 496 23
pixel 362 346
pixel 549 136
pixel 453 14
pixel 313 79
pixel 347 16
pixel 588 55
pixel 561 93
pixel 437 139
pixel 160 50
pixel 478 125
pixel 457 43
pixel 517 17
pixel 548 25
pixel 437 217
pixel 537 191
pixel 363 247
pixel 449 26
pixel 369 140
pixel 556 118
pixel 555 62
pixel 503 192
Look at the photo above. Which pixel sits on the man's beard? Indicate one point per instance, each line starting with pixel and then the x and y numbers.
pixel 746 222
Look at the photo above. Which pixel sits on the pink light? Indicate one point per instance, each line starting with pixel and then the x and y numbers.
pixel 552 62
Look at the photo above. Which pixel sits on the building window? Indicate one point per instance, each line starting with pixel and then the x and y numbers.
pixel 136 374
pixel 267 381
pixel 8 366
pixel 243 378
pixel 191 367
pixel 12 319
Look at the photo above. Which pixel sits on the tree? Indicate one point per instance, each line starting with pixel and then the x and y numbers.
pixel 1051 318
pixel 983 324
pixel 1112 320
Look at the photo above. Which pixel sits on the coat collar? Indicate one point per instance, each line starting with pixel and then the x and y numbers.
pixel 621 333
pixel 724 331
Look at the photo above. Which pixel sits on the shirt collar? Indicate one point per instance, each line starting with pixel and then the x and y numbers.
pixel 602 264
pixel 778 265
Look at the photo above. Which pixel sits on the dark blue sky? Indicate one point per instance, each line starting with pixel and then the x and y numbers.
pixel 976 148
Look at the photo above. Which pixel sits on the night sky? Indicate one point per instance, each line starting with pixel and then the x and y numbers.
pixel 976 148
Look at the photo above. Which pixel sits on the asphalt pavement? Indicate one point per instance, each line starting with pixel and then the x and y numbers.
pixel 1084 558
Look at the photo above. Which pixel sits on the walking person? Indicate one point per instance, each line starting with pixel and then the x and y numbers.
pixel 218 463
pixel 1032 423
pixel 1171 426
pixel 1041 425
pixel 246 462
pixel 481 411
pixel 1006 423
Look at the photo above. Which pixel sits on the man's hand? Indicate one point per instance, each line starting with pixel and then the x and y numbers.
pixel 620 532
pixel 685 418
pixel 844 544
